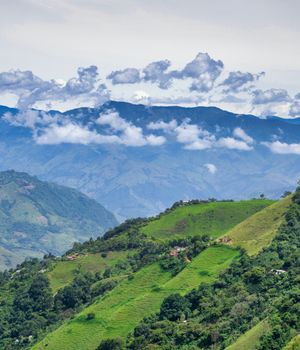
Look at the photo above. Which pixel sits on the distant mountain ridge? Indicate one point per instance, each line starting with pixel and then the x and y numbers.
pixel 38 217
pixel 141 181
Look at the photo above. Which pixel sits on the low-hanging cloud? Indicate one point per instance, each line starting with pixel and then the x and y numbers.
pixel 195 138
pixel 211 168
pixel 278 147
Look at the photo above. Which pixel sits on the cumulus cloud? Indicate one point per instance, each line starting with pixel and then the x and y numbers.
pixel 241 134
pixel 202 70
pixel 270 96
pixel 194 137
pixel 237 81
pixel 125 76
pixel 295 109
pixel 131 135
pixel 155 72
pixel 31 89
pixel 211 168
pixel 232 143
pixel 141 96
pixel 72 133
pixel 283 148
pixel 161 125
pixel 30 118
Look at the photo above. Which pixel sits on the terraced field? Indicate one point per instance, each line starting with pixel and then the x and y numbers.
pixel 120 311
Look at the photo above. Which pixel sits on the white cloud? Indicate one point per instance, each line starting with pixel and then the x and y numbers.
pixel 130 135
pixel 72 133
pixel 232 143
pixel 30 89
pixel 237 81
pixel 113 120
pixel 270 96
pixel 211 168
pixel 283 148
pixel 141 96
pixel 241 134
pixel 125 76
pixel 161 125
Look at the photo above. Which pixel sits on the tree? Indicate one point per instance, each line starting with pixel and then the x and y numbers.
pixel 111 344
pixel 174 306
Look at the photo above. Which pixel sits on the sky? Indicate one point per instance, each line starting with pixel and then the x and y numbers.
pixel 243 56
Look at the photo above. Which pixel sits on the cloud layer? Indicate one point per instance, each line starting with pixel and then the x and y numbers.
pixel 202 80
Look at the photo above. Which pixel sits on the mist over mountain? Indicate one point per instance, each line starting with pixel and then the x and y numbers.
pixel 137 160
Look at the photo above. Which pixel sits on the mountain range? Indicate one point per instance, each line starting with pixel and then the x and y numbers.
pixel 38 218
pixel 234 156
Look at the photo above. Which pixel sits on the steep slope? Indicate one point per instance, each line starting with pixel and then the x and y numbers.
pixel 253 305
pixel 38 217
pixel 113 282
pixel 142 181
pixel 250 339
pixel 121 310
pixel 212 218
pixel 257 231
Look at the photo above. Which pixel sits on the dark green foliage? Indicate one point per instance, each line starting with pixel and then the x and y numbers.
pixel 174 308
pixel 111 344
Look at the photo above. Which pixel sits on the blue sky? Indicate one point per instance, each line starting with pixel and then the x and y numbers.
pixel 239 55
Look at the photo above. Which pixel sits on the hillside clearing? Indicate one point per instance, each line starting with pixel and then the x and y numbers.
pixel 213 219
pixel 64 271
pixel 257 232
pixel 294 344
pixel 124 307
pixel 250 339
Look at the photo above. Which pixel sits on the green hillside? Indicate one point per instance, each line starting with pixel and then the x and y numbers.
pixel 37 217
pixel 250 339
pixel 257 231
pixel 213 219
pixel 107 287
pixel 121 310
pixel 294 344
pixel 63 272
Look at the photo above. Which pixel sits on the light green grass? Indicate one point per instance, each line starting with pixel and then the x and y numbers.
pixel 250 339
pixel 213 219
pixel 63 272
pixel 294 344
pixel 125 306
pixel 257 232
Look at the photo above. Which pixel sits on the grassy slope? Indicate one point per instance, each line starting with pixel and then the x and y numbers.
pixel 294 344
pixel 213 219
pixel 257 231
pixel 250 339
pixel 122 309
pixel 63 272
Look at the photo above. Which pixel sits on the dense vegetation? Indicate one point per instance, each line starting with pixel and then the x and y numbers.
pixel 38 217
pixel 266 286
pixel 115 281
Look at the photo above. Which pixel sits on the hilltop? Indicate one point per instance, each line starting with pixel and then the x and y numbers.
pixel 38 218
